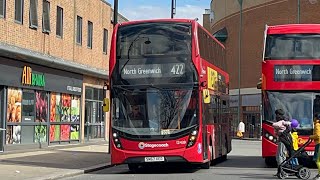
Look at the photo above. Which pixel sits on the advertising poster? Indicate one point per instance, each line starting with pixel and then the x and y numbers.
pixel 40 133
pixel 14 105
pixel 41 106
pixel 75 109
pixel 13 135
pixel 55 107
pixel 65 107
pixel 65 132
pixel 54 133
pixel 74 132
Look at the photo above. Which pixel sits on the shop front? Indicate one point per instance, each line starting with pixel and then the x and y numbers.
pixel 39 105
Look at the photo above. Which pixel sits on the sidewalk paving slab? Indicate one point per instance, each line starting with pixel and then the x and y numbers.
pixel 54 163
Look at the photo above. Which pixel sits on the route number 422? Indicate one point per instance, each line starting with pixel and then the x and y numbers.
pixel 177 69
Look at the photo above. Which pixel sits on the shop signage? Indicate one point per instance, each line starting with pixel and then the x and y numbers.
pixel 32 79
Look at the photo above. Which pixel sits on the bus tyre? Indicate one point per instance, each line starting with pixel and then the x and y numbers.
pixel 270 162
pixel 205 165
pixel 133 167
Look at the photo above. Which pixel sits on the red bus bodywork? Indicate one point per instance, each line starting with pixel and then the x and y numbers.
pixel 175 150
pixel 269 147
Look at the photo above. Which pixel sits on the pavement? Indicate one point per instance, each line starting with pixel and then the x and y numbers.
pixel 55 162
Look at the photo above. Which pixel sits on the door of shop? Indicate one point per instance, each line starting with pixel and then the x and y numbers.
pixel 2 119
pixel 253 124
pixel 94 120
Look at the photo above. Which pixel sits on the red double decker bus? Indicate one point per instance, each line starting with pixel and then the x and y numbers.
pixel 290 81
pixel 169 94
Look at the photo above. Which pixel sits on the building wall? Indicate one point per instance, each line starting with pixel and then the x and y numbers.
pixel 95 11
pixel 256 14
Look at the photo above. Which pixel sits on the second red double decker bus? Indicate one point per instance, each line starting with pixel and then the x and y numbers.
pixel 169 94
pixel 290 81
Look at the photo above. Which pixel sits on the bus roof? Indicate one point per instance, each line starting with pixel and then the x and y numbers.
pixel 157 20
pixel 294 29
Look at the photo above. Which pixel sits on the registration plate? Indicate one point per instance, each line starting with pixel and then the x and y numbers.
pixel 154 159
pixel 310 153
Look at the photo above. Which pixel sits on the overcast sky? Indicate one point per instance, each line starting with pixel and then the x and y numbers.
pixel 152 9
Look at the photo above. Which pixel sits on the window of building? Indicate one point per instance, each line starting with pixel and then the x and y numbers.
pixel 3 8
pixel 79 30
pixel 46 16
pixel 90 31
pixel 105 41
pixel 59 28
pixel 33 14
pixel 18 13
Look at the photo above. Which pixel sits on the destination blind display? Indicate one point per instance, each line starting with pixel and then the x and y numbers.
pixel 153 70
pixel 297 73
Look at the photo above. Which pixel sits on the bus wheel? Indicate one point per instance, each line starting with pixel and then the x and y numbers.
pixel 133 167
pixel 205 165
pixel 224 157
pixel 270 161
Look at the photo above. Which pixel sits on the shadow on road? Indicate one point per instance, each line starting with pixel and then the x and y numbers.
pixel 152 169
pixel 243 162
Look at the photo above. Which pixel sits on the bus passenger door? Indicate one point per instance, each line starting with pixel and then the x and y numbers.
pixel 219 127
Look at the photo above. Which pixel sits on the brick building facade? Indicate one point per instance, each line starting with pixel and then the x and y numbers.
pixel 62 49
pixel 223 20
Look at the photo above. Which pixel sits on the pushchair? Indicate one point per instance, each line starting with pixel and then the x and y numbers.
pixel 286 167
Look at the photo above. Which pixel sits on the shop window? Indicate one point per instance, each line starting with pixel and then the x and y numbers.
pixel 18 13
pixel 66 107
pixel 55 107
pixel 33 14
pixel 28 106
pixel 54 133
pixel 41 106
pixel 40 133
pixel 59 27
pixel 3 8
pixel 75 109
pixel 14 105
pixel 64 117
pixel 13 135
pixel 46 16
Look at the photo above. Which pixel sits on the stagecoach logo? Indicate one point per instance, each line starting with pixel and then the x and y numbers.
pixel 199 148
pixel 143 145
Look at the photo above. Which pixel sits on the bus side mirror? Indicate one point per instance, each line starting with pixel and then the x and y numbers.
pixel 259 84
pixel 206 96
pixel 106 104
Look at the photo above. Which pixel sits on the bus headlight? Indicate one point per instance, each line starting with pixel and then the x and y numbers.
pixel 270 137
pixel 192 138
pixel 116 140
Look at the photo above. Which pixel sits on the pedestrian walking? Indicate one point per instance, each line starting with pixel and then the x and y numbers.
pixel 241 129
pixel 316 138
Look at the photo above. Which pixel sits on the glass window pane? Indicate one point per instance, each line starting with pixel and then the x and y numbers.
pixel 54 133
pixel 65 132
pixel 13 135
pixel 41 106
pixel 2 8
pixel 33 13
pixel 59 27
pixel 40 134
pixel 75 109
pixel 46 16
pixel 18 10
pixel 28 106
pixel 96 94
pixel 27 134
pixel 74 132
pixel 66 107
pixel 89 93
pixel 14 105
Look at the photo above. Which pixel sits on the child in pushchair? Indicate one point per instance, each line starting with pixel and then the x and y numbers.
pixel 289 166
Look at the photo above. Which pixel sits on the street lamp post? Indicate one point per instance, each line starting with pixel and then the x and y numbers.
pixel 239 60
pixel 115 13
pixel 173 8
